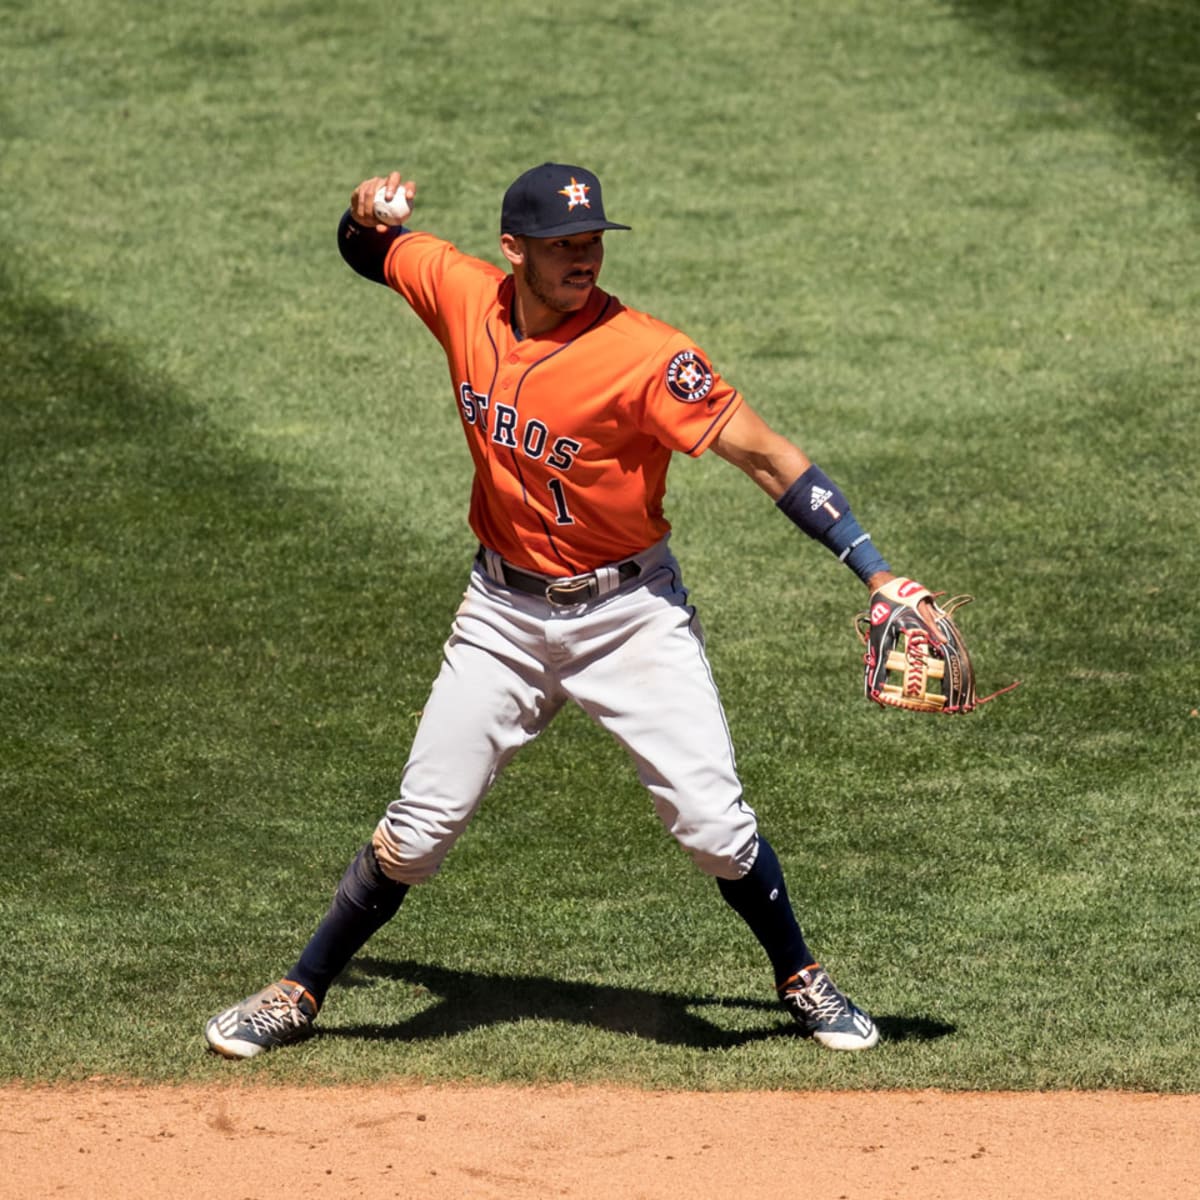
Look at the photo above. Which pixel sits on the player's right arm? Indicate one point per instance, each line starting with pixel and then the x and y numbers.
pixel 362 199
pixel 415 264
pixel 362 241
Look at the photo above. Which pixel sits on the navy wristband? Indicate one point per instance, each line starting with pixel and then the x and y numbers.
pixel 814 503
pixel 366 249
pixel 860 554
pixel 818 507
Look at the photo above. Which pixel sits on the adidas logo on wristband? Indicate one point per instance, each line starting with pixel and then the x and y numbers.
pixel 820 498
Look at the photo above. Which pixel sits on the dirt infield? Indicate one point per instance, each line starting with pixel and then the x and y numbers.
pixel 434 1143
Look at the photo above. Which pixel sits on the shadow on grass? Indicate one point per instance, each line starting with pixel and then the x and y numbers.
pixel 466 1000
pixel 1146 57
pixel 184 622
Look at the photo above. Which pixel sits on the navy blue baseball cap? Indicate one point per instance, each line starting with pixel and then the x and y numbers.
pixel 554 200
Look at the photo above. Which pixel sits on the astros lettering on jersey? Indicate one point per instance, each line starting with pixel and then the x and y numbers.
pixel 570 432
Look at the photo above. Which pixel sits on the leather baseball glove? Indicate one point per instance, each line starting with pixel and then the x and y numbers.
pixel 916 657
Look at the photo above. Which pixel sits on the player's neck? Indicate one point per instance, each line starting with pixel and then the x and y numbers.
pixel 534 320
pixel 532 317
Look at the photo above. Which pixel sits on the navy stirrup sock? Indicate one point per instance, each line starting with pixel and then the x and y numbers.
pixel 365 900
pixel 760 898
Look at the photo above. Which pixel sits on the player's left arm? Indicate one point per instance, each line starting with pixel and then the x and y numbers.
pixel 773 462
pixel 801 491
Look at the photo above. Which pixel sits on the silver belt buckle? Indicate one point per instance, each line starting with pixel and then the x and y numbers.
pixel 565 592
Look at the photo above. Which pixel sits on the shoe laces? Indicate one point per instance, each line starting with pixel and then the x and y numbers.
pixel 278 1012
pixel 818 999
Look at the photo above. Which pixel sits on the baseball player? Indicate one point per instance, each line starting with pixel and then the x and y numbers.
pixel 572 405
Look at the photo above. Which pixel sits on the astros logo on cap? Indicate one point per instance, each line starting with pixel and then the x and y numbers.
pixel 576 193
pixel 689 377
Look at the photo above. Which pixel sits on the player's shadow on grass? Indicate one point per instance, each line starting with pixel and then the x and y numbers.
pixel 456 1002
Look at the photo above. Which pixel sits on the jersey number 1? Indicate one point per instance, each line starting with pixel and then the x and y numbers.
pixel 562 514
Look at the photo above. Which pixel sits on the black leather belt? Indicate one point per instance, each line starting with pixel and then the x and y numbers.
pixel 574 589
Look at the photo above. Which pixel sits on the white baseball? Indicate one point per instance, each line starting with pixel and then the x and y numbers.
pixel 394 211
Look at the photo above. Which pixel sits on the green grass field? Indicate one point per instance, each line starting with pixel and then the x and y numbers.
pixel 949 246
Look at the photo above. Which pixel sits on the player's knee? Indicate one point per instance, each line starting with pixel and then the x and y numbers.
pixel 407 854
pixel 722 850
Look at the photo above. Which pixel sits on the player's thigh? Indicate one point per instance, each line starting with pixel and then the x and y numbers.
pixel 653 689
pixel 490 698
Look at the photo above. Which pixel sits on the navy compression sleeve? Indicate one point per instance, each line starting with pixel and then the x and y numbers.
pixel 817 505
pixel 365 249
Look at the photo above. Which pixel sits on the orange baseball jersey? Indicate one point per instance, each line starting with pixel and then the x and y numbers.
pixel 571 432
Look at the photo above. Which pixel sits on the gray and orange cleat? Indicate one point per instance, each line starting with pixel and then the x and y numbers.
pixel 277 1015
pixel 824 1014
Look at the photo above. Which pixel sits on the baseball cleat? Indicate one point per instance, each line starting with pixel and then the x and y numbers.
pixel 824 1014
pixel 277 1015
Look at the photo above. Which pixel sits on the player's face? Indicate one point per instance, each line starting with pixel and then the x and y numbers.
pixel 561 272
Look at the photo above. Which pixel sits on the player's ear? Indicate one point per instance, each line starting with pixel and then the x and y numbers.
pixel 513 248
